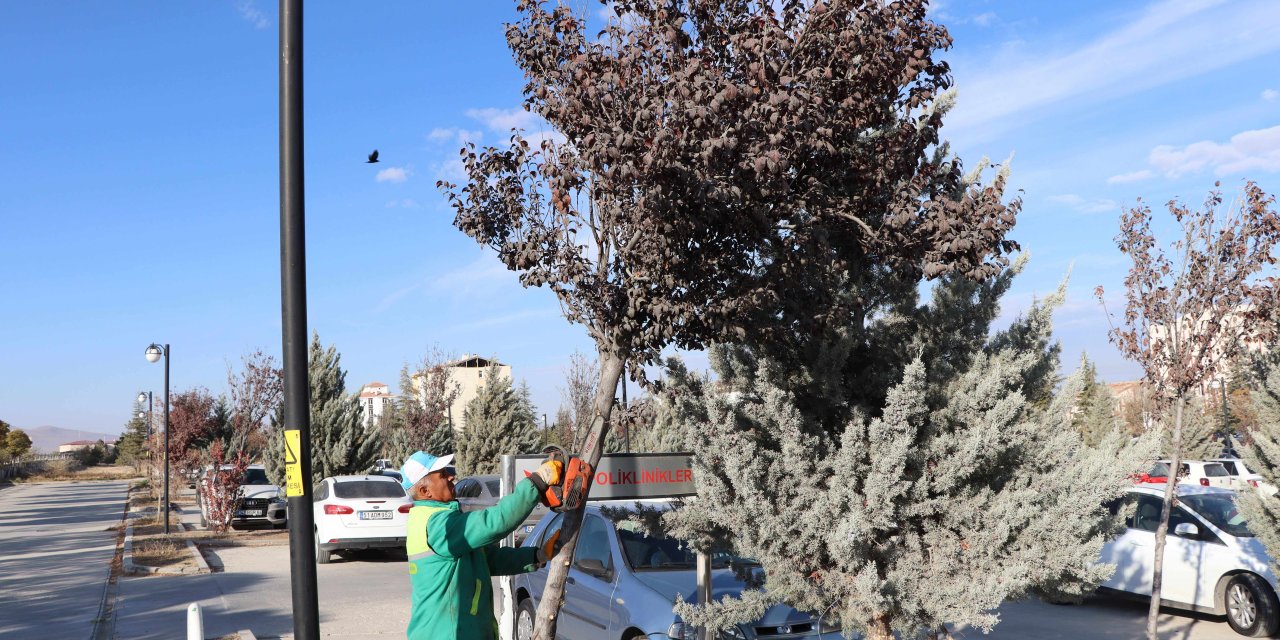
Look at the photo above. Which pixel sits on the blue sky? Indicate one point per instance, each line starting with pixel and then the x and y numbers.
pixel 139 186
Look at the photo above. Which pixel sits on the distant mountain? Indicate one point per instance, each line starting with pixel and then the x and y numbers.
pixel 46 439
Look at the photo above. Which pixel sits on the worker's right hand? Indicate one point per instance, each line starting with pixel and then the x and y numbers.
pixel 551 471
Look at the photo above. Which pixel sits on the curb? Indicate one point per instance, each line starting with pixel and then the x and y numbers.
pixel 128 566
pixel 245 634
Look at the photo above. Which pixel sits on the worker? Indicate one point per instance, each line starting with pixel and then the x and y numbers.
pixel 453 553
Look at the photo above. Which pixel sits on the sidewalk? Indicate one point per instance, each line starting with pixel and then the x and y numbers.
pixel 366 598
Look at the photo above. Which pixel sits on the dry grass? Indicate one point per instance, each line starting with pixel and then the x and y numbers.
pixel 159 552
pixel 64 470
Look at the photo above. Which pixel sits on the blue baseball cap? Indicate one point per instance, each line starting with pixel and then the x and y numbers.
pixel 418 465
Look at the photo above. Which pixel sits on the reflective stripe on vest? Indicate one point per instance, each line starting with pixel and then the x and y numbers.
pixel 415 543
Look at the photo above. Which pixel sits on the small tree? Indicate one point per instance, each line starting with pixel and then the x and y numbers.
pixel 1096 416
pixel 15 444
pixel 966 490
pixel 500 420
pixel 131 447
pixel 219 489
pixel 339 442
pixel 193 419
pixel 1190 309
pixel 1262 454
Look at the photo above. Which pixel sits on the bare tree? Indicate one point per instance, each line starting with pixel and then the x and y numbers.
pixel 422 410
pixel 581 380
pixel 1191 308
pixel 728 167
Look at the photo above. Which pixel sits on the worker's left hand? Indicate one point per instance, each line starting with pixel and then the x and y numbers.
pixel 551 471
pixel 549 548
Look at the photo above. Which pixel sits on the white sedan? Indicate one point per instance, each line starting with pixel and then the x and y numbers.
pixel 359 512
pixel 1212 563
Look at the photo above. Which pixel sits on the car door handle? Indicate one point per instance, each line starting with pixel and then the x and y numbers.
pixel 568 581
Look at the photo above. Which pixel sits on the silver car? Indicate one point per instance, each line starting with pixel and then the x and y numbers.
pixel 623 585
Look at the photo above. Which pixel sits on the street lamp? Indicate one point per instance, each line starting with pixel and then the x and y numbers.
pixel 146 395
pixel 153 353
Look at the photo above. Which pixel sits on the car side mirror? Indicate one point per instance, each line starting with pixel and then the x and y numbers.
pixel 593 567
pixel 1186 530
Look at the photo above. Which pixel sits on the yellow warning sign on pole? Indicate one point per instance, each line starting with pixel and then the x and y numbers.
pixel 292 463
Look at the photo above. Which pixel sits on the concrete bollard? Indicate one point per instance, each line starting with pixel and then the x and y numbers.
pixel 195 622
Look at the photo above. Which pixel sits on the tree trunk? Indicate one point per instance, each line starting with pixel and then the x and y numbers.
pixel 879 628
pixel 558 568
pixel 1162 530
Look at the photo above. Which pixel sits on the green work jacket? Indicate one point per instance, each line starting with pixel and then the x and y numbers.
pixel 453 554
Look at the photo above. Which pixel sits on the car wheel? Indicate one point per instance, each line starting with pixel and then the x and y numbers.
pixel 524 620
pixel 322 556
pixel 1252 610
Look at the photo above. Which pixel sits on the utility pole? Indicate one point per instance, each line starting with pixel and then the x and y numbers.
pixel 293 310
pixel 1226 420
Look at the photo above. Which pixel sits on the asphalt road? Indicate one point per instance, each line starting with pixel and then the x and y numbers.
pixel 55 556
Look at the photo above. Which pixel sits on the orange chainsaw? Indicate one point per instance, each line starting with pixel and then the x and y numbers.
pixel 571 491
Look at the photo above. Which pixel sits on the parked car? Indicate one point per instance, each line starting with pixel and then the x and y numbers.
pixel 480 492
pixel 1196 472
pixel 258 501
pixel 359 512
pixel 1212 563
pixel 623 585
pixel 1242 478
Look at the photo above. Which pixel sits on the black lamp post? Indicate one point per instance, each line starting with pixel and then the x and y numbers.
pixel 154 352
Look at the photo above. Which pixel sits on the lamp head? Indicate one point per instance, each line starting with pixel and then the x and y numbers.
pixel 154 352
pixel 142 397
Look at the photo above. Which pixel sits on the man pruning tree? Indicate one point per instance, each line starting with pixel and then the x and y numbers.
pixel 453 554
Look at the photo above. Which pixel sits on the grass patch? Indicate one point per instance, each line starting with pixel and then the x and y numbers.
pixel 64 470
pixel 160 552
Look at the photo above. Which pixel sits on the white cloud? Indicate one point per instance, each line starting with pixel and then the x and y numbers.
pixel 458 135
pixel 1084 205
pixel 1169 41
pixel 1270 94
pixel 1132 176
pixel 394 174
pixel 250 12
pixel 504 120
pixel 1255 150
pixel 984 19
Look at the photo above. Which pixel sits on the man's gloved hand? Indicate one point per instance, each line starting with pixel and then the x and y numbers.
pixel 551 471
pixel 547 475
pixel 550 548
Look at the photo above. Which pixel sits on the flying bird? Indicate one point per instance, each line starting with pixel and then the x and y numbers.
pixel 373 157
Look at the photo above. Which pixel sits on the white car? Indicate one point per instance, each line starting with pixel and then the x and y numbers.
pixel 258 501
pixel 359 512
pixel 1197 472
pixel 1212 564
pixel 1242 478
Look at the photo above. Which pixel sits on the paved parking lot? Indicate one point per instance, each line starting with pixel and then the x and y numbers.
pixel 368 599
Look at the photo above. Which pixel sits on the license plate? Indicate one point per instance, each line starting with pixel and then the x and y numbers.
pixel 375 515
pixel 248 513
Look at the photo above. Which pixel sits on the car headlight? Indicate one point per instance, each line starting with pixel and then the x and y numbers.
pixel 681 631
pixel 733 633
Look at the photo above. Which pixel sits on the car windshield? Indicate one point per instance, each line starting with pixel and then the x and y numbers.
pixel 647 553
pixel 1215 470
pixel 255 476
pixel 1219 510
pixel 367 489
pixel 1160 470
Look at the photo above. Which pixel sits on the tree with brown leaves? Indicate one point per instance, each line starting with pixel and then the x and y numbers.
pixel 728 168
pixel 1191 308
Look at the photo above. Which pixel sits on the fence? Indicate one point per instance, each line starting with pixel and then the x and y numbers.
pixel 12 468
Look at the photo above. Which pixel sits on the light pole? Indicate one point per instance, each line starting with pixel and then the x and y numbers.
pixel 1226 421
pixel 146 395
pixel 153 353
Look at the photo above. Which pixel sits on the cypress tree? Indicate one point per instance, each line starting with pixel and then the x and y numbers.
pixel 339 442
pixel 1261 454
pixel 1096 416
pixel 966 486
pixel 499 420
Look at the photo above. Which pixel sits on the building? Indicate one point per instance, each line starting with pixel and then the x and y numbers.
pixel 78 445
pixel 470 373
pixel 374 400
